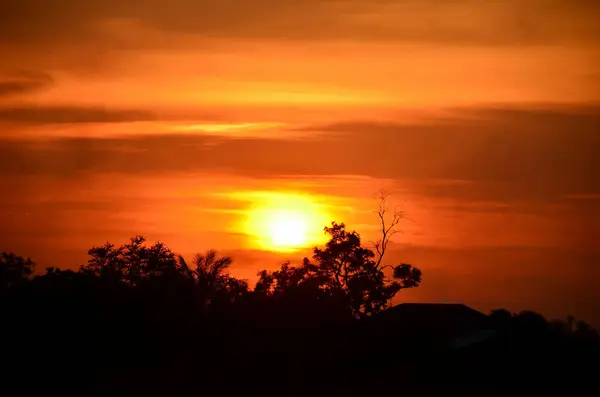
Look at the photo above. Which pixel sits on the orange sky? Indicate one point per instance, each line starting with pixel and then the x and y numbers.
pixel 175 119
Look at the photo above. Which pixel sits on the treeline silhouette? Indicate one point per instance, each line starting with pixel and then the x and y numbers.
pixel 137 319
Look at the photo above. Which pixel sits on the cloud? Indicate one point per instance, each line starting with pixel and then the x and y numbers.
pixel 24 82
pixel 588 196
pixel 70 115
pixel 463 22
pixel 501 154
pixel 534 144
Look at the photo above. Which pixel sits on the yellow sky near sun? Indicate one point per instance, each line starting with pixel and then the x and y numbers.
pixel 228 212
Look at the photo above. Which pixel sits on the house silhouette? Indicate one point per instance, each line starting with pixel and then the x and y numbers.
pixel 432 326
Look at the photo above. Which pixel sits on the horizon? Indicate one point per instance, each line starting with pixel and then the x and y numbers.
pixel 248 131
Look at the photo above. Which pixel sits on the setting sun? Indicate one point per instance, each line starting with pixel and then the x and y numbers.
pixel 286 229
pixel 285 221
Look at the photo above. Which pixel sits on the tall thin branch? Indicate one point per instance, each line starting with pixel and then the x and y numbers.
pixel 388 228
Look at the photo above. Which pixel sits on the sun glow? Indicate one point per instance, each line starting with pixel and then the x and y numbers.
pixel 286 221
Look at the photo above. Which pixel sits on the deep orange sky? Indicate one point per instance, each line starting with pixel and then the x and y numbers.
pixel 170 119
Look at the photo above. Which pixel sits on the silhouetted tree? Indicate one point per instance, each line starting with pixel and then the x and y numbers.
pixel 530 321
pixel 135 262
pixel 212 281
pixel 306 285
pixel 353 270
pixel 559 327
pixel 209 268
pixel 501 319
pixel 14 269
pixel 585 331
pixel 141 306
pixel 570 321
pixel 345 270
pixel 289 278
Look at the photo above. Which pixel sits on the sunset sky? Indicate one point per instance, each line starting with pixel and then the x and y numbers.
pixel 220 123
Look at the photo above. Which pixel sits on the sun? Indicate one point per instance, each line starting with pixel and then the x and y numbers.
pixel 286 229
pixel 285 221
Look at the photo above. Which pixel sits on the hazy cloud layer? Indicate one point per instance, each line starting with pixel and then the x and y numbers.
pixel 511 153
pixel 481 22
pixel 70 115
pixel 23 82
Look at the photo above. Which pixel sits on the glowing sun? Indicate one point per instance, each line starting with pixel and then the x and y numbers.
pixel 286 222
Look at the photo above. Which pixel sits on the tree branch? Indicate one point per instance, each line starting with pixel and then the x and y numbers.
pixel 387 230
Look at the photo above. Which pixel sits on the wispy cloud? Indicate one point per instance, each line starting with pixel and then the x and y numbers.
pixel 23 82
pixel 70 115
pixel 541 155
pixel 583 196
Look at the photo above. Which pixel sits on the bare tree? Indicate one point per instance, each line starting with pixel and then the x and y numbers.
pixel 388 225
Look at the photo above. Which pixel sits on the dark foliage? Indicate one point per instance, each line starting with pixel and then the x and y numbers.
pixel 14 270
pixel 138 320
